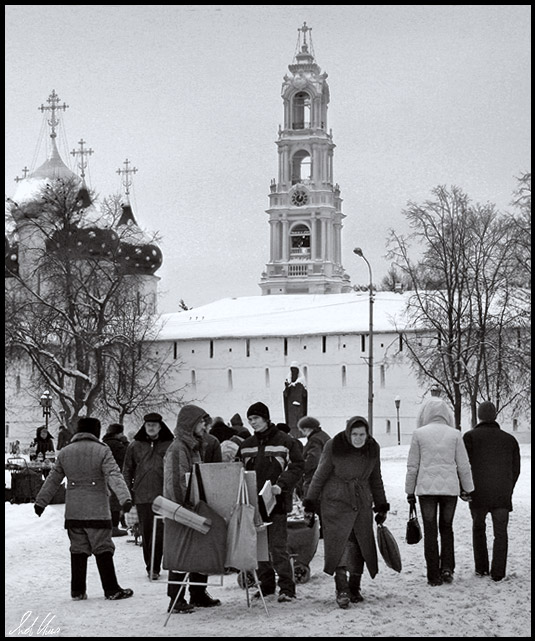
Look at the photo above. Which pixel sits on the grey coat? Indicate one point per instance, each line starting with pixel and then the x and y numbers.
pixel 91 472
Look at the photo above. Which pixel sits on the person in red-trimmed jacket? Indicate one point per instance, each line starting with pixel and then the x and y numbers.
pixel 277 457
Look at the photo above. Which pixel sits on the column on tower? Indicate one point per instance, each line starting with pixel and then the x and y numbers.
pixel 285 240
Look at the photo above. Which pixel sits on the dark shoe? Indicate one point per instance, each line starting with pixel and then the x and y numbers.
pixel 447 576
pixel 496 578
pixel 79 597
pixel 117 532
pixel 153 576
pixel 119 594
pixel 180 607
pixel 284 597
pixel 343 600
pixel 435 581
pixel 482 573
pixel 354 588
pixel 204 600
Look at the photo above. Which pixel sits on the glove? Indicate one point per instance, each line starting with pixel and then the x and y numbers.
pixel 309 518
pixel 276 489
pixel 466 496
pixel 38 509
pixel 411 499
pixel 127 506
pixel 380 518
pixel 309 505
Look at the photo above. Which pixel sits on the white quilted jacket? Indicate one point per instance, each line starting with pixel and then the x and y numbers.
pixel 437 461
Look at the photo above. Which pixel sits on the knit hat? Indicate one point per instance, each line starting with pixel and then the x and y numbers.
pixel 115 428
pixel 152 417
pixel 258 409
pixel 308 422
pixel 283 427
pixel 486 412
pixel 89 425
pixel 236 421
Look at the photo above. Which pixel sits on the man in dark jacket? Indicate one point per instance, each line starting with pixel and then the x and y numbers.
pixel 118 444
pixel 90 469
pixel 277 457
pixel 316 439
pixel 143 473
pixel 495 460
pixel 64 437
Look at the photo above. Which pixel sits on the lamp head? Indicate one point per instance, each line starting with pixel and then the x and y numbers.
pixel 397 401
pixel 358 251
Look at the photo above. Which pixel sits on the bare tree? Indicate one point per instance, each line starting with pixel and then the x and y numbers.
pixel 73 309
pixel 462 299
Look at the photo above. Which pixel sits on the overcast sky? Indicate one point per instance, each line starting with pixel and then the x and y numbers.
pixel 421 95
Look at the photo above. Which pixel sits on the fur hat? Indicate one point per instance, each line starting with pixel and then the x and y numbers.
pixel 486 412
pixel 236 421
pixel 258 409
pixel 152 417
pixel 115 428
pixel 89 425
pixel 308 422
pixel 283 427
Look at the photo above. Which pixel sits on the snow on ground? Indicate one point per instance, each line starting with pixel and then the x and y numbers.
pixel 396 605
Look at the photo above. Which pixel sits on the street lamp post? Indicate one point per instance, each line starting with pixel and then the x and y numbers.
pixel 46 403
pixel 397 401
pixel 358 252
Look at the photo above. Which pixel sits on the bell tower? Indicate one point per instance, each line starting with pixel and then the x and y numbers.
pixel 305 215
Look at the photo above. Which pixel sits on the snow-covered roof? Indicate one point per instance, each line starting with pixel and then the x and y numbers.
pixel 286 315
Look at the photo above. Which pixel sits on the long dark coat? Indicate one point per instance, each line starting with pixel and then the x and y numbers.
pixel 495 460
pixel 118 444
pixel 348 482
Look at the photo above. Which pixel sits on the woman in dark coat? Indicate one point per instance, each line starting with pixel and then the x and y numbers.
pixel 348 482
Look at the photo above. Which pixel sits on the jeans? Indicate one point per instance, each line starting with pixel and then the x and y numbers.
pixel 500 520
pixel 444 506
pixel 146 516
pixel 279 559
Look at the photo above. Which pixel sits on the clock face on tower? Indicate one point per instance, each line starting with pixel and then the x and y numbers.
pixel 299 198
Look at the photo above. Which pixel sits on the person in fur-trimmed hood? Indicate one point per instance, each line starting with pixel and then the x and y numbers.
pixel 346 484
pixel 143 473
pixel 188 448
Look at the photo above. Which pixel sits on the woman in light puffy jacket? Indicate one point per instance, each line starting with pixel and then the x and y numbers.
pixel 438 471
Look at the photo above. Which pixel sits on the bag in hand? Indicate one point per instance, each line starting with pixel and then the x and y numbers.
pixel 188 550
pixel 413 533
pixel 388 548
pixel 241 535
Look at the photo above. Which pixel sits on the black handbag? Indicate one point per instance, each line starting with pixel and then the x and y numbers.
pixel 413 533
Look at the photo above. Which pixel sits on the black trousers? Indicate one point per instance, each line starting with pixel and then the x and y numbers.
pixel 146 516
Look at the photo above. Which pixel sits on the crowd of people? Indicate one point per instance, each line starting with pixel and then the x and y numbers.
pixel 338 480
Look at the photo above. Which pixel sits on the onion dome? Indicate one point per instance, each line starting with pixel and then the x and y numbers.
pixel 85 242
pixel 12 258
pixel 137 253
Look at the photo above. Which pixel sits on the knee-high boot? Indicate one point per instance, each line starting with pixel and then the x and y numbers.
pixel 354 588
pixel 342 588
pixel 108 578
pixel 78 576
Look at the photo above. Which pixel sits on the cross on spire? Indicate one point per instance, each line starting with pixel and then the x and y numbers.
pixel 53 101
pixel 82 164
pixel 127 171
pixel 25 171
pixel 304 29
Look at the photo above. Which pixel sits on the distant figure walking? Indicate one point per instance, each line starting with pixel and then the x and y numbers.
pixel 495 459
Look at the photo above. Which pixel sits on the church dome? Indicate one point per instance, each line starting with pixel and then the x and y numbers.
pixel 87 242
pixel 137 253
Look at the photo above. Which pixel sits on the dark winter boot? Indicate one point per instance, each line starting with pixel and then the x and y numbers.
pixel 78 576
pixel 354 588
pixel 342 588
pixel 108 578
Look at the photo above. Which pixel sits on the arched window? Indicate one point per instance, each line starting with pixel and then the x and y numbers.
pixel 193 381
pixel 344 376
pixel 301 166
pixel 229 380
pixel 301 111
pixel 266 373
pixel 300 241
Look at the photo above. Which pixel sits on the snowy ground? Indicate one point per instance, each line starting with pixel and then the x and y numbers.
pixel 396 605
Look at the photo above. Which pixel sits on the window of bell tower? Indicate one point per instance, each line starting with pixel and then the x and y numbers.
pixel 301 111
pixel 301 167
pixel 300 241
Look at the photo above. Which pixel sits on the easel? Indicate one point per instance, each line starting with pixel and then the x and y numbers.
pixel 182 591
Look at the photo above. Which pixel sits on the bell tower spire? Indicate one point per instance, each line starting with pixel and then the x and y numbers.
pixel 305 215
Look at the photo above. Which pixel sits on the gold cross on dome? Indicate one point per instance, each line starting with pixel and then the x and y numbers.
pixel 53 101
pixel 82 152
pixel 126 172
pixel 25 171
